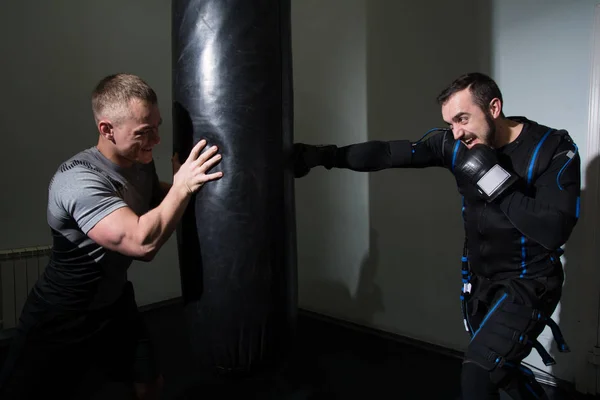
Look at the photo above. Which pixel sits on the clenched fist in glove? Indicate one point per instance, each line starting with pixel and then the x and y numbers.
pixel 308 156
pixel 481 167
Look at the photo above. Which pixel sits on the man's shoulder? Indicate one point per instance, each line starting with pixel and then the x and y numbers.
pixel 83 160
pixel 545 144
pixel 80 168
pixel 544 137
pixel 538 130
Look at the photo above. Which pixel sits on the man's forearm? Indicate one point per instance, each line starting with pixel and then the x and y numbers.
pixel 371 156
pixel 551 214
pixel 538 220
pixel 157 225
pixel 377 155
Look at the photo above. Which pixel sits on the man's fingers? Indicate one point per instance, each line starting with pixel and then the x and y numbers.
pixel 199 162
pixel 200 180
pixel 213 176
pixel 210 163
pixel 196 150
pixel 206 155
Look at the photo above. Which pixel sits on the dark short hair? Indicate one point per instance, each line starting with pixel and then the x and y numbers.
pixel 482 87
pixel 117 90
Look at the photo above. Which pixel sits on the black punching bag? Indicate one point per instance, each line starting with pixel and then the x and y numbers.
pixel 232 85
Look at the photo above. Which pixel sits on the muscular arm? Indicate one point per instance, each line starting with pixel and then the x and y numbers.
pixel 550 216
pixel 141 236
pixel 91 199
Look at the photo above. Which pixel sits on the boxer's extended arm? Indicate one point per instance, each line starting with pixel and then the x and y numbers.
pixel 373 155
pixel 550 216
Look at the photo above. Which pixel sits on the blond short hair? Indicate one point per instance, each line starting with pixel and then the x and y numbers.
pixel 112 95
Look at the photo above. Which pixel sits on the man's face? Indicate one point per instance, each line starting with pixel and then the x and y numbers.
pixel 469 123
pixel 137 133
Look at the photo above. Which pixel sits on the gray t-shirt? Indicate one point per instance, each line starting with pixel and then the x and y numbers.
pixel 86 188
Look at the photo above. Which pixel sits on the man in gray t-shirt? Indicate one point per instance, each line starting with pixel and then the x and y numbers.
pixel 106 208
pixel 84 190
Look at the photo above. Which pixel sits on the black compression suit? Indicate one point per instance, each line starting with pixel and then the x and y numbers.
pixel 512 249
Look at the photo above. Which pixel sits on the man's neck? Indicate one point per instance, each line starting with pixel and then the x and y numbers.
pixel 507 131
pixel 105 149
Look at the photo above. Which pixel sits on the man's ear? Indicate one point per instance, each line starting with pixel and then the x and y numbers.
pixel 496 107
pixel 106 129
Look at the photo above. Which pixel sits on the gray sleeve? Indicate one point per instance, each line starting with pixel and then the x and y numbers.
pixel 84 195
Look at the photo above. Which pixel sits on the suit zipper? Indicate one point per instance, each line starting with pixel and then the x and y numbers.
pixel 482 219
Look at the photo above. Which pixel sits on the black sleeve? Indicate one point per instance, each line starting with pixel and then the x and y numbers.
pixel 550 216
pixel 377 155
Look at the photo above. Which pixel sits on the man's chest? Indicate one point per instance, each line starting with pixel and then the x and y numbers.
pixel 136 191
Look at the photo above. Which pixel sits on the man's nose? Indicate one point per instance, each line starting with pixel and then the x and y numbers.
pixel 458 133
pixel 155 138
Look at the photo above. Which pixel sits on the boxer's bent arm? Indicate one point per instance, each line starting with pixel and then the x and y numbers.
pixel 550 217
pixel 141 236
pixel 377 155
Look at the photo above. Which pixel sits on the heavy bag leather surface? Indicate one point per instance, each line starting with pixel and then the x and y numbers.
pixel 236 242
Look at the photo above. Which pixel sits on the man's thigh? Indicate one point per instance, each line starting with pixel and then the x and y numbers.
pixel 125 350
pixel 504 334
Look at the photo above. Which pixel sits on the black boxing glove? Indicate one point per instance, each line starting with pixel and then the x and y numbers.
pixel 306 157
pixel 481 167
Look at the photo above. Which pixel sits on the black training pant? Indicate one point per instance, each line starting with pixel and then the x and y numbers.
pixel 505 318
pixel 53 349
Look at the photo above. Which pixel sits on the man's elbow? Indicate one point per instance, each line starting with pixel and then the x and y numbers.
pixel 553 242
pixel 146 253
pixel 137 249
pixel 144 246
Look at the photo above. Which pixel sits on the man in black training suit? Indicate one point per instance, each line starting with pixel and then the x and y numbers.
pixel 520 184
